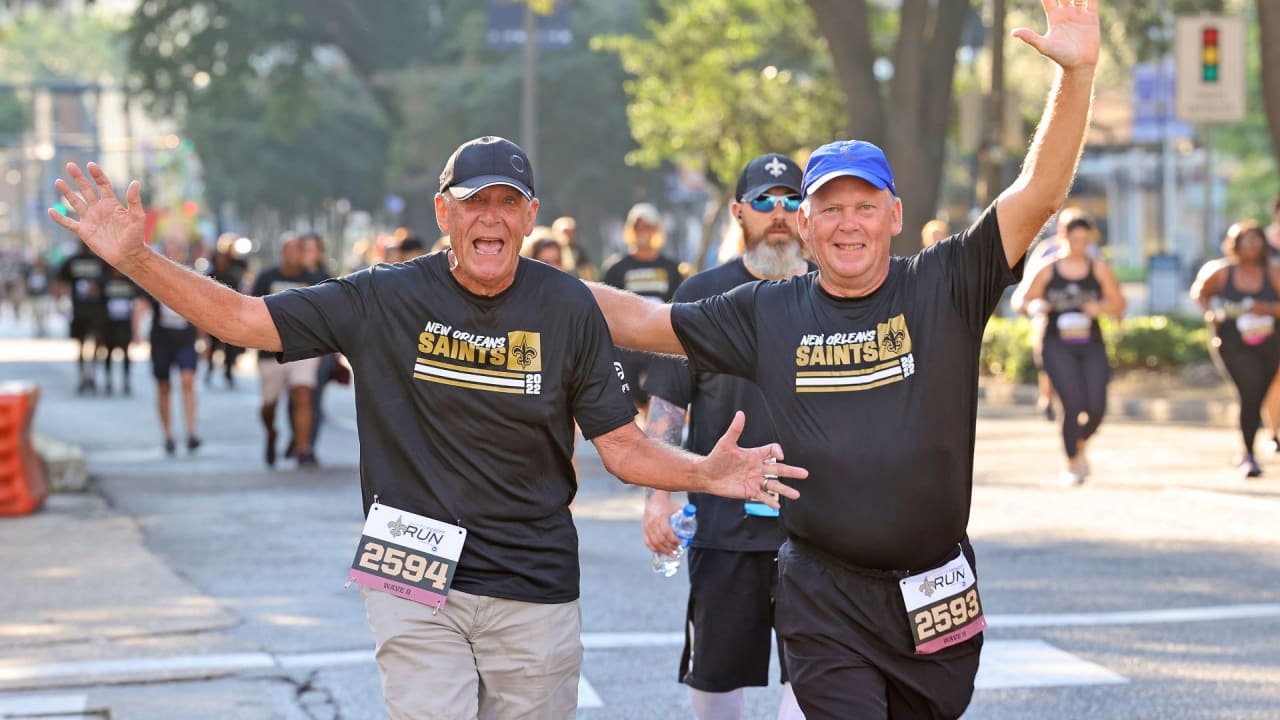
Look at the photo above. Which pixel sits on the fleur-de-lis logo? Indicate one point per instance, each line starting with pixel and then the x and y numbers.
pixel 891 343
pixel 397 527
pixel 524 354
pixel 775 167
pixel 927 587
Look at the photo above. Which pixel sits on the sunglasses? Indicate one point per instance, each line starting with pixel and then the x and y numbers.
pixel 766 203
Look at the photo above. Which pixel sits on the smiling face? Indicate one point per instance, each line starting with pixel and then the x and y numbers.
pixel 486 231
pixel 848 225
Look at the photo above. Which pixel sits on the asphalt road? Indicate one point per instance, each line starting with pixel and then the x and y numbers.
pixel 206 586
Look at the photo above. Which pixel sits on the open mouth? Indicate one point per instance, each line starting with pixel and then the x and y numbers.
pixel 851 246
pixel 488 246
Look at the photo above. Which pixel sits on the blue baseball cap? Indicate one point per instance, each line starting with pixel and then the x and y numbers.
pixel 853 158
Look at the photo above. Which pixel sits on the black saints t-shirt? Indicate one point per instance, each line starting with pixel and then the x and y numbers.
pixel 466 404
pixel 656 279
pixel 85 273
pixel 876 396
pixel 119 293
pixel 712 399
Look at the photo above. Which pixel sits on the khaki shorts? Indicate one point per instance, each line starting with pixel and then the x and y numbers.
pixel 479 657
pixel 274 378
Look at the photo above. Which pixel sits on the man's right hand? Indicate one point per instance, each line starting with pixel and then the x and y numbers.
pixel 113 231
pixel 658 535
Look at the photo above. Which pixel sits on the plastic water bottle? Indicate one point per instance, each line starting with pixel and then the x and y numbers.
pixel 684 522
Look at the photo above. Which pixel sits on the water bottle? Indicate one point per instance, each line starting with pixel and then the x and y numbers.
pixel 684 523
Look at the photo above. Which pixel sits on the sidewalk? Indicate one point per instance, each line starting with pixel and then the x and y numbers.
pixel 1202 398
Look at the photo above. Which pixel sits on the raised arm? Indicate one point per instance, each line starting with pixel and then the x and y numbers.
pixel 1072 42
pixel 635 322
pixel 115 233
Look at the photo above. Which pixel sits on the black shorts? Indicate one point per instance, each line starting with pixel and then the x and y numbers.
pixel 164 355
pixel 87 325
pixel 119 334
pixel 728 636
pixel 849 647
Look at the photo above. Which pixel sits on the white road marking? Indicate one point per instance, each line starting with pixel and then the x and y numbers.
pixel 587 695
pixel 1266 504
pixel 1137 617
pixel 1036 663
pixel 1006 663
pixel 43 705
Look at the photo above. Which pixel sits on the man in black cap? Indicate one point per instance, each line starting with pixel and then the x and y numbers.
pixel 733 559
pixel 869 368
pixel 470 366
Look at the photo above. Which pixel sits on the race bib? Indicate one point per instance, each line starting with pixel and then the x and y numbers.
pixel 1075 327
pixel 943 606
pixel 1255 329
pixel 407 555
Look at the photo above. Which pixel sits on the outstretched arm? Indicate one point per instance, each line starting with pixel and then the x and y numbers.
pixel 636 323
pixel 1072 42
pixel 115 233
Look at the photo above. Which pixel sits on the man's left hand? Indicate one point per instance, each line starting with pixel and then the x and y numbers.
pixel 1074 35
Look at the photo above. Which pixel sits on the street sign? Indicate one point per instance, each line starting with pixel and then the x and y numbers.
pixel 1210 55
pixel 506 26
pixel 1153 91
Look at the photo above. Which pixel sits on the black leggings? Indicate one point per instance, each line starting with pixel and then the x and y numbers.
pixel 1251 368
pixel 1079 373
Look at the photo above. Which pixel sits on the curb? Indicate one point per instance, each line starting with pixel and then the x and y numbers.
pixel 64 464
pixel 1202 411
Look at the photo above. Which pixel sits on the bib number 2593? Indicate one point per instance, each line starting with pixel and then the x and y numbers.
pixel 943 606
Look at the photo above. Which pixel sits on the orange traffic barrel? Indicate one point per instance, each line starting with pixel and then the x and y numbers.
pixel 22 483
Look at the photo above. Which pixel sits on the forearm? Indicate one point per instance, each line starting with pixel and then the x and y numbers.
pixel 1051 162
pixel 657 466
pixel 664 423
pixel 635 322
pixel 209 305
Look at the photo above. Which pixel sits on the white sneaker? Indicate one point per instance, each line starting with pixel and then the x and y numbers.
pixel 1071 478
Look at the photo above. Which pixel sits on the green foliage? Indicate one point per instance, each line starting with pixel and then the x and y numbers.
pixel 1155 342
pixel 718 82
pixel 15 115
pixel 1250 160
pixel 41 45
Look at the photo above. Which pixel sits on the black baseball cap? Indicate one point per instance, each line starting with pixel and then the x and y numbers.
pixel 768 171
pixel 486 161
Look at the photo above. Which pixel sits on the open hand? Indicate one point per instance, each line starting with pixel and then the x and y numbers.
pixel 747 473
pixel 1074 35
pixel 112 230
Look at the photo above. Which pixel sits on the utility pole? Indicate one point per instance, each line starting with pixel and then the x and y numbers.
pixel 529 88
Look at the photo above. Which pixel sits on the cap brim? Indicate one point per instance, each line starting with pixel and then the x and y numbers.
pixel 754 192
pixel 875 181
pixel 467 188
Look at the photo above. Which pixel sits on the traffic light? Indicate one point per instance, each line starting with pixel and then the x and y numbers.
pixel 190 208
pixel 1209 54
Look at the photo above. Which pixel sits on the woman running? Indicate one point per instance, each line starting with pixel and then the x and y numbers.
pixel 1239 296
pixel 1072 292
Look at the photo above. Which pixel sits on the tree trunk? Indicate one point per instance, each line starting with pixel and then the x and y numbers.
pixel 846 26
pixel 919 110
pixel 912 125
pixel 718 204
pixel 1269 22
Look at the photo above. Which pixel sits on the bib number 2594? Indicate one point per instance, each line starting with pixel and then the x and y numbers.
pixel 407 555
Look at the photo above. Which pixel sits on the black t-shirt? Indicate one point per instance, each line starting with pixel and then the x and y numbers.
pixel 657 278
pixel 876 396
pixel 712 399
pixel 38 280
pixel 273 280
pixel 85 273
pixel 119 293
pixel 465 406
pixel 168 328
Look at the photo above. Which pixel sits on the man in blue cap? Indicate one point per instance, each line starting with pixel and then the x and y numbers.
pixel 869 369
pixel 471 367
pixel 733 559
